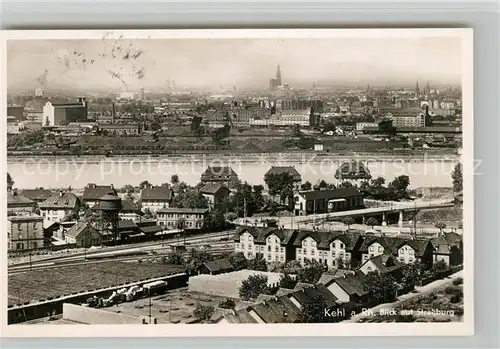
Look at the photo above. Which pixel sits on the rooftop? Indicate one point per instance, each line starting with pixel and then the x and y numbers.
pixel 330 194
pixel 156 193
pixel 60 200
pixel 52 282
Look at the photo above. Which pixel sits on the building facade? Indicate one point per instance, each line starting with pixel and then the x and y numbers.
pixel 25 232
pixel 58 206
pixel 120 129
pixel 56 114
pixel 194 217
pixel 323 201
pixel 223 175
pixel 154 198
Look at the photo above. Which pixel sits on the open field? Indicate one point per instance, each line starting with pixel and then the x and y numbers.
pixel 42 284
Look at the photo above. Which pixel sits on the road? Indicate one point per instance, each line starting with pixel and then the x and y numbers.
pixel 424 290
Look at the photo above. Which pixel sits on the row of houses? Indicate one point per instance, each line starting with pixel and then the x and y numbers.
pixel 344 248
pixel 341 290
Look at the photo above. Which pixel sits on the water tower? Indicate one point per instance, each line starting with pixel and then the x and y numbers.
pixel 110 205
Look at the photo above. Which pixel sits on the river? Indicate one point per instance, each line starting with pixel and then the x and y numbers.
pixel 58 172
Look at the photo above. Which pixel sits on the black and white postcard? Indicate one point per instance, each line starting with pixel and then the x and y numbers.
pixel 240 182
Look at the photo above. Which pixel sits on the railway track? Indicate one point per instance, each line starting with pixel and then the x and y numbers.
pixel 131 247
pixel 217 248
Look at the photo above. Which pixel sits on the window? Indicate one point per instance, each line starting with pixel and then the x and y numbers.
pixel 276 240
pixel 371 248
pixel 35 227
pixel 313 251
pixel 333 254
pixel 249 246
pixel 380 248
pixel 369 269
pixel 412 252
pixel 342 245
pixel 313 243
pixel 269 248
pixel 277 249
pixel 282 258
pixel 401 259
pixel 304 243
pixel 18 226
pixel 341 254
pixel 268 257
pixel 282 250
pixel 299 251
pixel 411 259
pixel 305 250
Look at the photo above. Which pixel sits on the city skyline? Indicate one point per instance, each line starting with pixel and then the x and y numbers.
pixel 212 63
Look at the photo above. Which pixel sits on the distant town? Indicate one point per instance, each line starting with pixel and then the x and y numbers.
pixel 320 119
pixel 264 242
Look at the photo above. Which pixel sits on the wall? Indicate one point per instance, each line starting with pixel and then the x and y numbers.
pixel 54 306
pixel 93 316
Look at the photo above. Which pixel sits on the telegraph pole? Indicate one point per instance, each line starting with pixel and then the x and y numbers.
pixel 150 306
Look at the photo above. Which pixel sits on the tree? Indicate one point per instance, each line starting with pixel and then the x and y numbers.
pixel 313 310
pixel 231 216
pixel 190 199
pixel 127 188
pixel 322 184
pixel 147 213
pixel 306 186
pixel 372 221
pixel 385 126
pixel 286 281
pixel 196 125
pixel 227 304
pixel 253 286
pixel 378 182
pixel 238 261
pixel 457 177
pixel 329 126
pixel 174 179
pixel 279 183
pixel 439 267
pixel 258 263
pixel 381 287
pixel 144 184
pixel 155 126
pixel 411 273
pixel 174 258
pixel 440 226
pixel 346 184
pixel 400 186
pixel 10 181
pixel 311 272
pixel 348 221
pixel 197 257
pixel 203 312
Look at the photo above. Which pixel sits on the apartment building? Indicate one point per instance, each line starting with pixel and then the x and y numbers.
pixel 25 232
pixel 194 217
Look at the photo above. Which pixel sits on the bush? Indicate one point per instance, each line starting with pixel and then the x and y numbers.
pixel 458 281
pixel 453 290
pixel 227 304
pixel 455 298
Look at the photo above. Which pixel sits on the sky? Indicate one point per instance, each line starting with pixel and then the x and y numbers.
pixel 244 63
